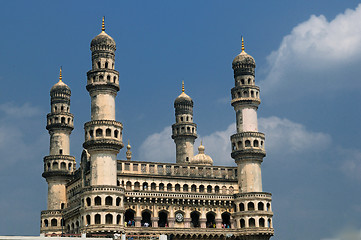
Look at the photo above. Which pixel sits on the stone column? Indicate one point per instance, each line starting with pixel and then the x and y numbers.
pixel 155 221
pixel 187 222
pixel 203 222
pixel 218 223
pixel 138 221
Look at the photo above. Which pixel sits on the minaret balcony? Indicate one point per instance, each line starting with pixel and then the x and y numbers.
pixel 62 165
pixel 248 143
pixel 60 120
pixel 103 133
pixel 184 129
pixel 245 95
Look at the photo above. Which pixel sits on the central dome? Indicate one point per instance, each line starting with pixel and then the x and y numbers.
pixel 201 158
pixel 103 39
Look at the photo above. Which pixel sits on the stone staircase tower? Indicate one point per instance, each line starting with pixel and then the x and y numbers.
pixel 103 140
pixel 253 207
pixel 184 131
pixel 58 165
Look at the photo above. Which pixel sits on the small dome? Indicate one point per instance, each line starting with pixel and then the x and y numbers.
pixel 59 86
pixel 243 58
pixel 201 158
pixel 103 39
pixel 183 97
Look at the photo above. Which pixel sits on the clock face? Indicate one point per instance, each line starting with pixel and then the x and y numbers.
pixel 179 217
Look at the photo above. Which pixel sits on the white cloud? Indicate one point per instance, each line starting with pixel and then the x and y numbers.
pixel 282 137
pixel 351 162
pixel 286 137
pixel 20 136
pixel 347 233
pixel 316 53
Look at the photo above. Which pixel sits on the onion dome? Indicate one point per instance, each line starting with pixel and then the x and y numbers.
pixel 103 39
pixel 243 60
pixel 60 86
pixel 183 98
pixel 201 158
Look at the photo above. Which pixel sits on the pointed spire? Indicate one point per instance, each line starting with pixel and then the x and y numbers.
pixel 242 45
pixel 60 76
pixel 103 25
pixel 182 86
pixel 129 153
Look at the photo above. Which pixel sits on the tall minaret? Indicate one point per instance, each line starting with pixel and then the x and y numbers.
pixel 248 147
pixel 103 135
pixel 184 131
pixel 59 165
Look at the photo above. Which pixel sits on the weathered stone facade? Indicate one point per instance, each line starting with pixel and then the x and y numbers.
pixel 189 199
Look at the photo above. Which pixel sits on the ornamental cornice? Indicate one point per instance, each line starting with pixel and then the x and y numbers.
pixel 59 157
pixel 60 114
pixel 253 195
pixel 103 144
pixel 183 135
pixel 248 155
pixel 252 101
pixel 248 134
pixel 106 87
pixel 57 173
pixel 102 70
pixel 244 87
pixel 60 126
pixel 103 122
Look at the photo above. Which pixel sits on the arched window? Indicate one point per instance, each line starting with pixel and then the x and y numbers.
pixel 169 187
pixel 216 189
pixel 108 78
pixel 209 189
pixel 63 120
pixel 97 219
pixel 247 143
pixel 201 188
pixel 55 165
pixel 177 188
pixel 251 222
pixel 195 219
pixel 88 201
pixel 46 223
pixel 106 64
pixel 116 133
pixel 153 186
pixel 87 219
pixel 163 219
pixel 69 166
pixel 114 79
pixel 62 205
pixel 118 219
pixel 185 187
pixel 146 219
pixel 109 218
pixel 268 207
pixel 211 220
pixel 250 206
pixel 239 145
pixel 242 223
pixel 269 223
pixel 255 143
pixel 145 186
pixel 136 186
pixel 129 217
pixel 117 201
pixel 249 81
pixel 97 201
pixel 241 207
pixel 109 201
pixel 242 81
pixel 99 132
pixel 193 188
pixel 98 64
pixel 54 222
pixel 226 220
pixel 108 132
pixel 260 206
pixel 128 185
pixel 261 222
pixel 63 166
pixel 161 187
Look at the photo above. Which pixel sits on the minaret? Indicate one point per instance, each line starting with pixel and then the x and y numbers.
pixel 59 165
pixel 184 131
pixel 248 149
pixel 103 135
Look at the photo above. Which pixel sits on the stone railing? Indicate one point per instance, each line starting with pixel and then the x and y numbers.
pixel 179 196
pixel 174 170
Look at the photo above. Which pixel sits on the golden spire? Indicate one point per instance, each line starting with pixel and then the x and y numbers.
pixel 60 75
pixel 242 45
pixel 201 142
pixel 103 25
pixel 182 86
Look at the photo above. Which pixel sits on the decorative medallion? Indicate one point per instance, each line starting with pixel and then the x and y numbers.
pixel 179 217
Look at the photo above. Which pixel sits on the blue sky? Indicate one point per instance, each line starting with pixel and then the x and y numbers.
pixel 308 56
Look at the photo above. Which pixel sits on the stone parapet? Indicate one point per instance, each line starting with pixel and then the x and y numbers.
pixel 184 130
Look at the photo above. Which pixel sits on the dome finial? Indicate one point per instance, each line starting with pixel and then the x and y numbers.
pixel 182 86
pixel 60 75
pixel 103 25
pixel 242 45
